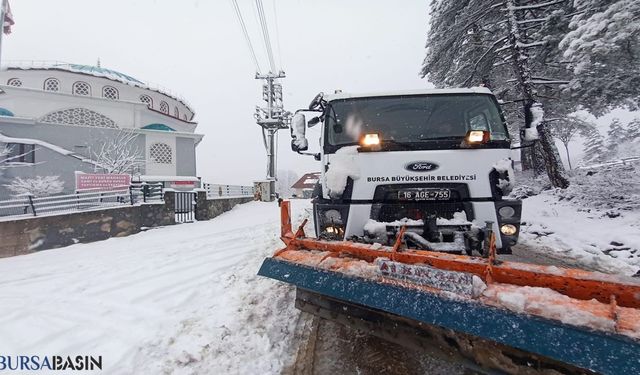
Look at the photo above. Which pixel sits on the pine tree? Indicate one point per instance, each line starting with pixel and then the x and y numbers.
pixel 633 130
pixel 508 46
pixel 630 145
pixel 603 49
pixel 594 147
pixel 615 136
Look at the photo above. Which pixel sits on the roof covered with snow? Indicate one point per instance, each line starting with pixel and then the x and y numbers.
pixel 307 181
pixel 470 90
pixel 96 71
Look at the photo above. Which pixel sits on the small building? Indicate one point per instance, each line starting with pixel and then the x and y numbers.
pixel 306 184
pixel 56 117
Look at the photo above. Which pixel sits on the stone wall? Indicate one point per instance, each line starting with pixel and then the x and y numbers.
pixel 28 235
pixel 207 209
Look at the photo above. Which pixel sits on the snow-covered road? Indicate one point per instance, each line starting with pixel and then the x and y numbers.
pixel 185 299
pixel 177 300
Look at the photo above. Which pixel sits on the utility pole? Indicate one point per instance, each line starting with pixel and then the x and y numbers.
pixel 3 14
pixel 271 118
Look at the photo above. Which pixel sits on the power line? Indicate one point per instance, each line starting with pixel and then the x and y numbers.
pixel 265 34
pixel 246 34
pixel 275 18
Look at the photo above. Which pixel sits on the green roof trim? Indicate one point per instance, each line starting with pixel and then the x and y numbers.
pixel 161 127
pixel 6 112
pixel 108 73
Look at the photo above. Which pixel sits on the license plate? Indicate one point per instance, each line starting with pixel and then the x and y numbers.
pixel 424 194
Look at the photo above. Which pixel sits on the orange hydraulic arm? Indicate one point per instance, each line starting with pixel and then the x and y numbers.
pixel 574 283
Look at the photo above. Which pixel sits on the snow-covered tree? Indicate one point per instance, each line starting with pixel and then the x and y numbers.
pixel 566 129
pixel 119 154
pixel 4 153
pixel 603 49
pixel 594 146
pixel 39 186
pixel 615 136
pixel 633 130
pixel 509 46
pixel 629 145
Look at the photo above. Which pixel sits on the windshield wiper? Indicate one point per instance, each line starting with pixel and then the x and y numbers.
pixel 406 145
pixel 450 137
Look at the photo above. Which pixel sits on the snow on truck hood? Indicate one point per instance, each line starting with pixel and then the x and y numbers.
pixel 470 90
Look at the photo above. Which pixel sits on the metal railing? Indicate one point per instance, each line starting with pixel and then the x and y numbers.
pixel 623 161
pixel 227 191
pixel 84 200
pixel 148 192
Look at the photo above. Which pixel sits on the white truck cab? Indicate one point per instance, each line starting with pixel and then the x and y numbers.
pixel 435 161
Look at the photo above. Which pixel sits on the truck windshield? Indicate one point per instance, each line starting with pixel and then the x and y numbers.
pixel 413 119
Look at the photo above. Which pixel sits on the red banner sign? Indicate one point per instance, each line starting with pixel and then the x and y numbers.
pixel 95 181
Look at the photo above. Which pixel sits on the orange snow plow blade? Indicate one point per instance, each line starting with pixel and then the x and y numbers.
pixel 545 315
pixel 574 283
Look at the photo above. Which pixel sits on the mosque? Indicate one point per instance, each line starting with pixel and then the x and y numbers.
pixel 56 117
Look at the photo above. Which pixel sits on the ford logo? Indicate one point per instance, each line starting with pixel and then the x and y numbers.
pixel 421 166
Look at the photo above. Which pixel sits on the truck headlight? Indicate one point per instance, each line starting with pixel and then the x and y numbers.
pixel 506 212
pixel 508 229
pixel 334 230
pixel 331 221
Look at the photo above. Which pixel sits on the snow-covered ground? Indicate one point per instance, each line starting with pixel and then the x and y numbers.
pixel 594 223
pixel 183 299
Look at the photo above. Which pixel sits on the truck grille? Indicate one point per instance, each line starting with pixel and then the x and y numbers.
pixel 388 208
pixel 386 212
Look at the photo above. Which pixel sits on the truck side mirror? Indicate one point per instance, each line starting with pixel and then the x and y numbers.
pixel 298 131
pixel 314 121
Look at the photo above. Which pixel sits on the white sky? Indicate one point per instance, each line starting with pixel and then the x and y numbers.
pixel 195 48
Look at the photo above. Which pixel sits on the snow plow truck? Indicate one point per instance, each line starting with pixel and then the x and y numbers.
pixel 410 215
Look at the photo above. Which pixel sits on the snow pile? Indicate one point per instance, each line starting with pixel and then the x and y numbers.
pixel 537 115
pixel 505 168
pixel 550 304
pixel 342 166
pixel 595 222
pixel 528 185
pixel 609 190
pixel 375 228
pixel 512 301
pixel 459 218
pixel 378 229
pixel 183 299
pixel 531 134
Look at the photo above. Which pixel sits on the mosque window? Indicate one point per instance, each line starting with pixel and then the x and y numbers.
pixel 164 107
pixel 160 153
pixel 81 88
pixel 110 93
pixel 176 113
pixel 20 153
pixel 79 117
pixel 147 99
pixel 14 82
pixel 51 84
